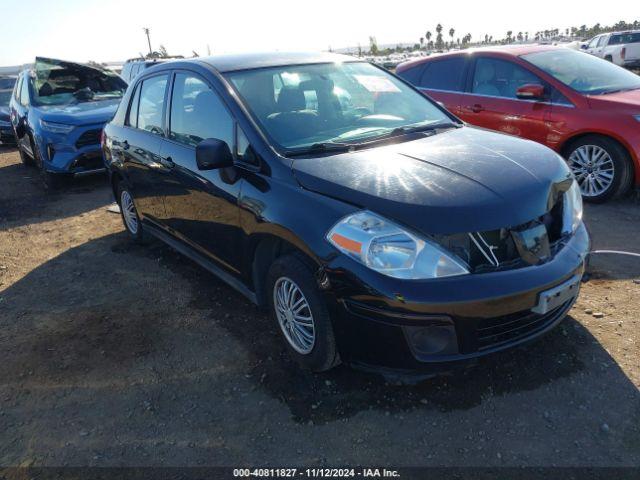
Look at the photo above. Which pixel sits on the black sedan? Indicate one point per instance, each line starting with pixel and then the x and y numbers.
pixel 375 226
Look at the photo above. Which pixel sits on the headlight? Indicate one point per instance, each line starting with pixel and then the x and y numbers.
pixel 572 209
pixel 387 248
pixel 56 127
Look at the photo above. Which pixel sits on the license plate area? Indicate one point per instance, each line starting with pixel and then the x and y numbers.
pixel 553 298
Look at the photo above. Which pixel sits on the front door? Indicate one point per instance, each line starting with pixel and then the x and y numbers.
pixel 492 102
pixel 201 205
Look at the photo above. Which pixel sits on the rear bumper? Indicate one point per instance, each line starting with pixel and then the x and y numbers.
pixel 635 63
pixel 429 327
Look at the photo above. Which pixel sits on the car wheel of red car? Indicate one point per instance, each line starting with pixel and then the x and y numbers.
pixel 601 166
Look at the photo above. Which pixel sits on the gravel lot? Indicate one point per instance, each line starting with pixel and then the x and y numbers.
pixel 113 354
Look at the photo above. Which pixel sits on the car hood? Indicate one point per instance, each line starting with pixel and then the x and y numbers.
pixel 461 180
pixel 84 113
pixel 629 100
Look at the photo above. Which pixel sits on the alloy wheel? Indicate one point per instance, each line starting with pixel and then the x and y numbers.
pixel 593 168
pixel 129 212
pixel 294 315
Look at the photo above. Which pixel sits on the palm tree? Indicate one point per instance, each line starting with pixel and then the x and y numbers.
pixel 421 42
pixel 509 33
pixel 452 32
pixel 428 35
pixel 439 42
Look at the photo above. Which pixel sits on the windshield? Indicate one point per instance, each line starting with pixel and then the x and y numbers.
pixel 304 105
pixel 62 83
pixel 583 72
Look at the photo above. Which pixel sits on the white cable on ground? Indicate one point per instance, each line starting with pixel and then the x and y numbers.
pixel 617 252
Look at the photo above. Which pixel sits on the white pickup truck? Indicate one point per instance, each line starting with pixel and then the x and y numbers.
pixel 621 48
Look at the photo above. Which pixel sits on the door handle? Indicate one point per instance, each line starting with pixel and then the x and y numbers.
pixel 476 108
pixel 167 162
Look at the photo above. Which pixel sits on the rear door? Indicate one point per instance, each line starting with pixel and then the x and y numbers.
pixel 491 100
pixel 141 144
pixel 443 80
pixel 201 205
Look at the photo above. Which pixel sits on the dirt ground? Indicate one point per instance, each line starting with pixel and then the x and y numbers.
pixel 113 354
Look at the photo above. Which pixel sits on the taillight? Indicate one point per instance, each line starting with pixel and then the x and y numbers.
pixel 623 52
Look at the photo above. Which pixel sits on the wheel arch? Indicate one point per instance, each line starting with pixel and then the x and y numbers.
pixel 564 146
pixel 264 249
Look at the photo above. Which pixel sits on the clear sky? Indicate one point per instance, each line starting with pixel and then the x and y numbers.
pixel 108 30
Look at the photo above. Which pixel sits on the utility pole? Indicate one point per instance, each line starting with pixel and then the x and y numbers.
pixel 146 31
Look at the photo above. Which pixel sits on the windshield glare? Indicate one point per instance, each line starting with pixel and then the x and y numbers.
pixel 583 72
pixel 65 83
pixel 301 105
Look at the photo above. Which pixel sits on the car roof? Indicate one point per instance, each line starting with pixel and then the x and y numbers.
pixel 502 50
pixel 245 61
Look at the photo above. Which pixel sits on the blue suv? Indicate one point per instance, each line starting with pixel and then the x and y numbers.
pixel 58 110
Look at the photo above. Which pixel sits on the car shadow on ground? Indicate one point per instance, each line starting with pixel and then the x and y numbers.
pixel 100 341
pixel 23 199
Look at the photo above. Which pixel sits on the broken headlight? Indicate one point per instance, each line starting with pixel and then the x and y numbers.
pixel 572 209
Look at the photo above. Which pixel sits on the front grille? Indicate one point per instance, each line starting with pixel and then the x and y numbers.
pixel 504 249
pixel 90 137
pixel 493 332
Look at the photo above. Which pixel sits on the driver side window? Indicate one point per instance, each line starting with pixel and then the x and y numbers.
pixel 197 113
pixel 593 42
pixel 500 78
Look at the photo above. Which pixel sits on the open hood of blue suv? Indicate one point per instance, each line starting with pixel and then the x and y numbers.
pixel 74 93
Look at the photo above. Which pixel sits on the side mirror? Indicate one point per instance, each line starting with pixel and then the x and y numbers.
pixel 530 91
pixel 213 153
pixel 584 46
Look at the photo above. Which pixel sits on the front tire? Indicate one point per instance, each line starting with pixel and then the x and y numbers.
pixel 50 181
pixel 26 160
pixel 129 213
pixel 601 166
pixel 301 314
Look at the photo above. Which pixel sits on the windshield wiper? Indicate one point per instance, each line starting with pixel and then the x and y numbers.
pixel 320 147
pixel 428 127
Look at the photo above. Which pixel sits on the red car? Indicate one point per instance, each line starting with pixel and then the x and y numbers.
pixel 583 107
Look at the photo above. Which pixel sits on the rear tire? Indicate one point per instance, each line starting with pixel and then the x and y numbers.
pixel 129 213
pixel 306 327
pixel 602 167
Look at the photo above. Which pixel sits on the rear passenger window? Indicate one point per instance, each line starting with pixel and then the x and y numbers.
pixel 412 75
pixel 132 118
pixel 198 113
pixel 446 74
pixel 151 104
